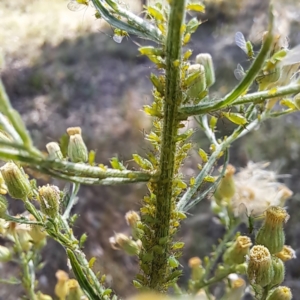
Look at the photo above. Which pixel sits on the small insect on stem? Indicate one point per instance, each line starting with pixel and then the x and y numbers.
pixel 239 72
pixel 243 211
pixel 245 46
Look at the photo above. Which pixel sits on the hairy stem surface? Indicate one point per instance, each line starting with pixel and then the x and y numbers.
pixel 168 146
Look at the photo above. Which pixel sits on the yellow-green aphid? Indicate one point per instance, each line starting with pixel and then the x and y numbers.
pixel 155 13
pixel 213 122
pixel 149 50
pixel 203 155
pixel 245 46
pixel 235 118
pixel 196 7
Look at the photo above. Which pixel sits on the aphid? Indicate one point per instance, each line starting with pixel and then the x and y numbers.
pixel 66 195
pixel 239 72
pixel 76 5
pixel 235 118
pixel 119 35
pixel 245 46
pixel 243 211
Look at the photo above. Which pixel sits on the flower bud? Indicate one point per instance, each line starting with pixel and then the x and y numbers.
pixel 77 150
pixel 3 227
pixel 280 293
pixel 205 60
pixel 287 253
pixel 3 187
pixel 260 268
pixel 241 268
pixel 75 291
pixel 132 218
pixel 49 197
pixel 38 234
pixel 271 234
pixel 198 271
pixel 23 236
pixel 5 254
pixel 61 289
pixel 54 151
pixel 237 290
pixel 122 241
pixel 236 253
pixel 17 183
pixel 226 187
pixel 215 207
pixel 279 271
pixel 196 80
pixel 3 205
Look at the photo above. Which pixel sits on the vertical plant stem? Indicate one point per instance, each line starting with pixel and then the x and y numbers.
pixel 172 101
pixel 26 264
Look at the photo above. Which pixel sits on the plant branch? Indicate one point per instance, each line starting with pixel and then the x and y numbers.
pixel 135 25
pixel 242 86
pixel 68 169
pixel 203 194
pixel 163 190
pixel 15 120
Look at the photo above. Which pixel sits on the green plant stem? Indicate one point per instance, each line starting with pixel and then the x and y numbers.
pixel 183 203
pixel 62 233
pixel 218 252
pixel 265 293
pixel 26 263
pixel 69 169
pixel 16 121
pixel 242 86
pixel 95 283
pixel 9 128
pixel 163 190
pixel 216 279
pixel 71 203
pixel 257 97
pixel 212 188
pixel 135 25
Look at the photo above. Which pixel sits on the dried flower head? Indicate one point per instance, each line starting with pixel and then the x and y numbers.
pixel 75 291
pixel 195 262
pixel 237 252
pixel 198 270
pixel 271 233
pixel 256 190
pixel 49 197
pixel 61 288
pixel 260 268
pixel 132 218
pixel 122 241
pixel 287 253
pixel 237 288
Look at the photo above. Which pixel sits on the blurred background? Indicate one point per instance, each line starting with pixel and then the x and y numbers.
pixel 64 69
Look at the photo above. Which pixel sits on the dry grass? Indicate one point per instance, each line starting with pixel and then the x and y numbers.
pixel 26 25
